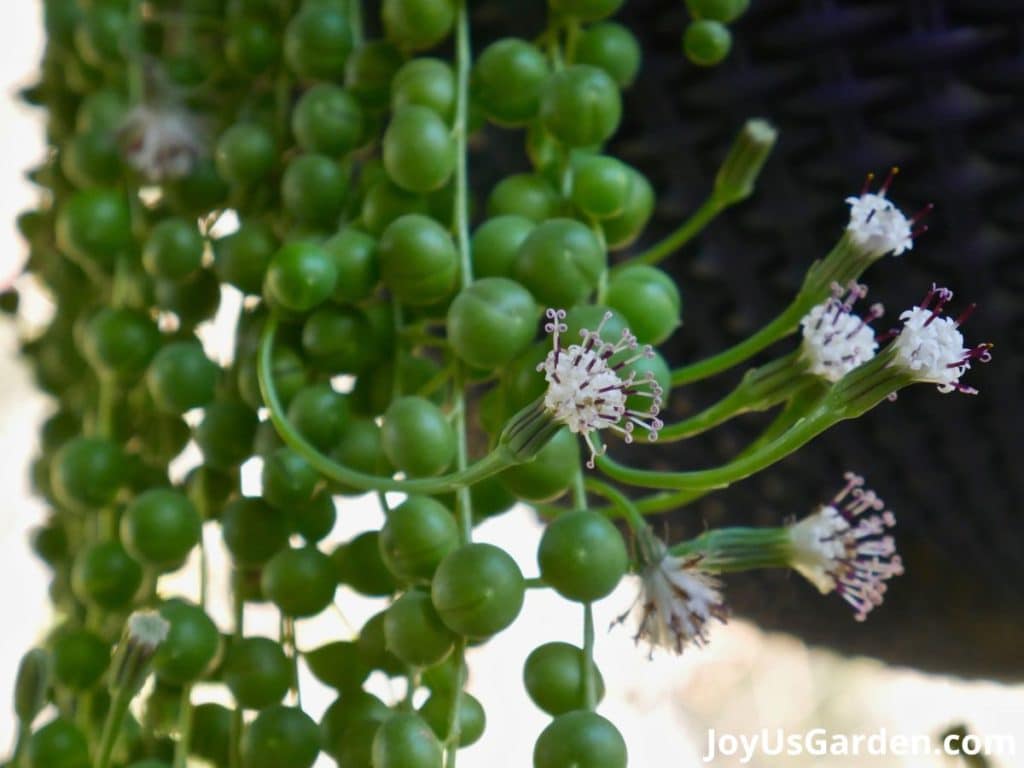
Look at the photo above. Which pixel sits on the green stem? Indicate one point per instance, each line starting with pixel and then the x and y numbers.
pixel 396 370
pixel 686 231
pixel 572 34
pixel 794 438
pixel 234 744
pixel 460 219
pixel 589 682
pixel 184 729
pixel 579 490
pixel 671 500
pixel 725 409
pixel 112 726
pixel 781 326
pixel 460 131
pixel 762 388
pixel 463 495
pixel 664 502
pixel 489 465
pixel 83 711
pixel 625 508
pixel 21 741
pixel 136 79
pixel 355 21
pixel 852 396
pixel 292 647
pixel 105 407
pixel 798 404
pixel 412 682
pixel 451 743
pixel 602 279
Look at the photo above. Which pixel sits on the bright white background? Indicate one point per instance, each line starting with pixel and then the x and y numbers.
pixel 745 681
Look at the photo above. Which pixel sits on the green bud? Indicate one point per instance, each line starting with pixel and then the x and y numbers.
pixel 143 634
pixel 31 683
pixel 743 164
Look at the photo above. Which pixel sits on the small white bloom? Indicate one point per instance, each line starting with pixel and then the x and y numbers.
pixel 835 340
pixel 931 347
pixel 161 143
pixel 878 226
pixel 587 391
pixel 840 548
pixel 147 628
pixel 676 599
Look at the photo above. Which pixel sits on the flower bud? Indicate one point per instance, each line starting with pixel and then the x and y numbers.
pixel 144 633
pixel 31 683
pixel 743 164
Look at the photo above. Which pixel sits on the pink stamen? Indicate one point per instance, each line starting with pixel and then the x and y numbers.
pixel 921 214
pixel 966 314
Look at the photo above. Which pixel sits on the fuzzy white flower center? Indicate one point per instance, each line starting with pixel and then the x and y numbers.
pixel 878 226
pixel 587 391
pixel 841 548
pixel 932 348
pixel 835 340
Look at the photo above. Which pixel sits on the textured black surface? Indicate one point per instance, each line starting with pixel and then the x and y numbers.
pixel 938 89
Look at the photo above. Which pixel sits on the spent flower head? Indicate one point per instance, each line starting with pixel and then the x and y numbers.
pixel 843 547
pixel 876 225
pixel 835 339
pixel 161 143
pixel 676 600
pixel 930 346
pixel 588 391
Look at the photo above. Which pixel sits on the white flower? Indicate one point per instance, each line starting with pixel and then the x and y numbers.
pixel 676 599
pixel 931 347
pixel 876 225
pixel 839 548
pixel 161 143
pixel 586 389
pixel 835 340
pixel 147 628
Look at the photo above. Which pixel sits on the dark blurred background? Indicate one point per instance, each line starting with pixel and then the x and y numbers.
pixel 936 88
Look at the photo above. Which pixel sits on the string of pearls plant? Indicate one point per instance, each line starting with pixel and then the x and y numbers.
pixel 272 161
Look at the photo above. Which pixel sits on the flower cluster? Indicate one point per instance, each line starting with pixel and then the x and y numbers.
pixel 588 389
pixel 930 346
pixel 841 548
pixel 876 225
pixel 835 340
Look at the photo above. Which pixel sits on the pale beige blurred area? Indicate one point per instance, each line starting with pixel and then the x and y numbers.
pixel 745 681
